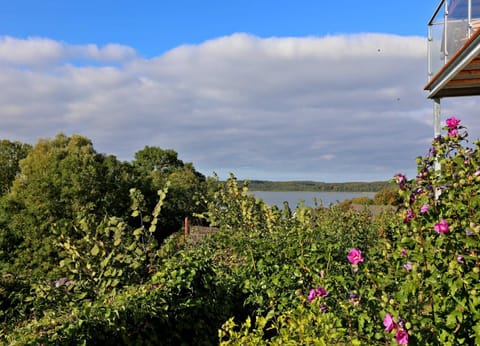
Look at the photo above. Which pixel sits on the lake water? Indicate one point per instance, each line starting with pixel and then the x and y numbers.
pixel 293 197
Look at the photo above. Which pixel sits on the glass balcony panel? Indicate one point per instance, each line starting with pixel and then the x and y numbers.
pixel 436 46
pixel 456 25
pixel 458 9
pixel 457 34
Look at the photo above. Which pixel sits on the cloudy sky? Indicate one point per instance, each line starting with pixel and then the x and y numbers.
pixel 270 89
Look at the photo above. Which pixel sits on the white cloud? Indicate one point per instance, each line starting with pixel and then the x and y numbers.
pixel 36 52
pixel 335 108
pixel 30 51
pixel 108 53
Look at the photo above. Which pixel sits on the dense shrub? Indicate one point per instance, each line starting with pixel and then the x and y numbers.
pixel 438 246
pixel 270 276
pixel 388 196
pixel 417 283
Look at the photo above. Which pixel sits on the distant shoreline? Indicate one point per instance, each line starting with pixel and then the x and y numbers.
pixel 309 198
pixel 312 186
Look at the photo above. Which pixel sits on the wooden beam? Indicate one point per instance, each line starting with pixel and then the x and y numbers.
pixel 463 83
pixel 468 74
pixel 474 65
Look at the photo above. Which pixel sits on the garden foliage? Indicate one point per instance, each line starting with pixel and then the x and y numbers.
pixel 417 283
pixel 269 275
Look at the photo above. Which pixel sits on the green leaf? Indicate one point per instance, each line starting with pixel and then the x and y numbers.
pixel 82 295
pixel 104 263
pixel 95 250
pixel 452 319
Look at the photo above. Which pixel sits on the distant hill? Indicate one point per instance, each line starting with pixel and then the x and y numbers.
pixel 264 185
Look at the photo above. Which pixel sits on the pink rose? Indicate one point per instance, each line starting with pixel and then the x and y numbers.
pixel 442 227
pixel 388 323
pixel 452 123
pixel 424 209
pixel 401 179
pixel 321 291
pixel 355 256
pixel 453 133
pixel 312 295
pixel 401 336
pixel 316 292
pixel 410 216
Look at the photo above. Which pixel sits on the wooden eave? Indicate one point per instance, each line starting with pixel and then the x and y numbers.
pixel 460 76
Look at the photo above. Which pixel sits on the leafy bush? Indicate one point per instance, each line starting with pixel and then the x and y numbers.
pixel 416 283
pixel 388 196
pixel 437 246
pixel 322 276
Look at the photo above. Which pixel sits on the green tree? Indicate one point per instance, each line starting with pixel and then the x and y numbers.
pixel 154 167
pixel 117 179
pixel 186 185
pixel 63 182
pixel 10 155
pixel 155 162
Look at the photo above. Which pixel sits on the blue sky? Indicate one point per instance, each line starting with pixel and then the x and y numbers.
pixel 152 27
pixel 272 90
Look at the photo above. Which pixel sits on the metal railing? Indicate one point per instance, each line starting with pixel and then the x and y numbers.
pixel 452 23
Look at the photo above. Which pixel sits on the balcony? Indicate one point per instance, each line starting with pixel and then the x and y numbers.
pixel 454 49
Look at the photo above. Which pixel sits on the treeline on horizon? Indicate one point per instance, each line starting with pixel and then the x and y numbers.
pixel 265 185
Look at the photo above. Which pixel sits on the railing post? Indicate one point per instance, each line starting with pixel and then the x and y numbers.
pixel 445 32
pixel 469 15
pixel 429 53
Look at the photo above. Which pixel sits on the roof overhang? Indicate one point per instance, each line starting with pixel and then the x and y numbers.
pixel 460 76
